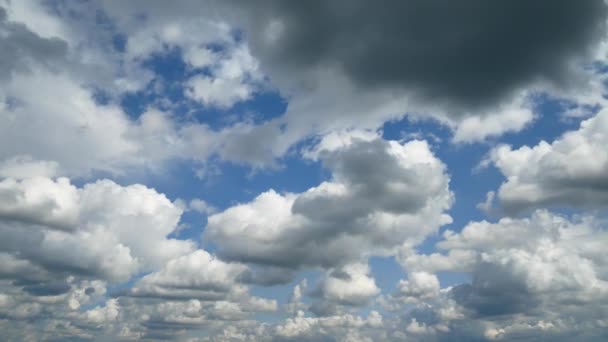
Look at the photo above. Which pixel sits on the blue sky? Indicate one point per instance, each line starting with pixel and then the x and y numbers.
pixel 329 171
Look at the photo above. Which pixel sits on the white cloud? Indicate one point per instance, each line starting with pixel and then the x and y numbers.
pixel 233 79
pixel 540 275
pixel 201 206
pixel 40 201
pixel 419 286
pixel 382 194
pixel 218 92
pixel 511 117
pixel 25 167
pixel 294 304
pixel 105 230
pixel 196 275
pixel 310 328
pixel 571 171
pixel 350 285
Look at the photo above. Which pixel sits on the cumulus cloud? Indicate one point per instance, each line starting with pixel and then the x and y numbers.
pixel 382 194
pixel 419 286
pixel 87 259
pixel 55 136
pixel 540 275
pixel 62 245
pixel 233 79
pixel 101 229
pixel 350 285
pixel 196 275
pixel 571 171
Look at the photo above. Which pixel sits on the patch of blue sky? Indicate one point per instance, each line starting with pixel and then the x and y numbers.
pixel 386 272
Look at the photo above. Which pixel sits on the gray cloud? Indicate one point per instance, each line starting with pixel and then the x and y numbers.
pixel 494 291
pixel 468 54
pixel 20 47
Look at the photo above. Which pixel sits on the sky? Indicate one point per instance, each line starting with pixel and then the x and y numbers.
pixel 303 171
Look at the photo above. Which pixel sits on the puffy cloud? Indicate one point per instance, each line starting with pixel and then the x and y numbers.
pixel 539 275
pixel 419 286
pixel 60 245
pixel 25 167
pixel 224 72
pixel 82 129
pixel 101 229
pixel 232 80
pixel 382 194
pixel 172 319
pixel 103 135
pixel 40 201
pixel 351 285
pixel 95 260
pixel 303 328
pixel 90 76
pixel 572 170
pixel 294 304
pixel 196 275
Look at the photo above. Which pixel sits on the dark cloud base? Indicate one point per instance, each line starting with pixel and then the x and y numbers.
pixel 468 53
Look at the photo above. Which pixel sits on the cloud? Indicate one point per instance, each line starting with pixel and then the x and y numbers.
pixel 542 275
pixel 464 55
pixel 419 286
pixel 350 285
pixel 21 47
pixel 55 136
pixel 61 245
pixel 233 79
pixel 303 328
pixel 201 206
pixel 87 259
pixel 571 171
pixel 382 194
pixel 40 201
pixel 196 275
pixel 101 230
pixel 24 166
pixel 214 41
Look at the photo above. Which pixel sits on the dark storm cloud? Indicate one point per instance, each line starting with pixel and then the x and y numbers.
pixel 467 53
